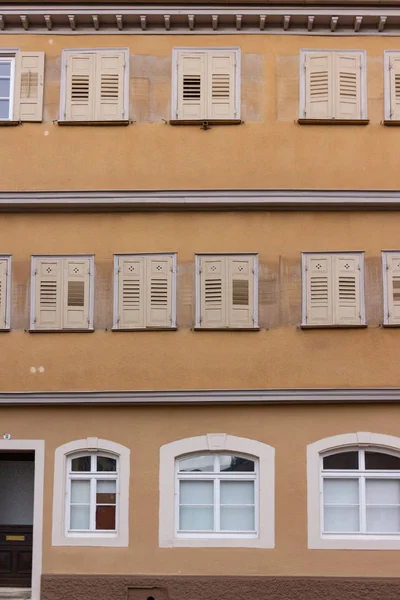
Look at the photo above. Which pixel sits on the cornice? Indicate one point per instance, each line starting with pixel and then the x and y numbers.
pixel 205 397
pixel 109 18
pixel 93 201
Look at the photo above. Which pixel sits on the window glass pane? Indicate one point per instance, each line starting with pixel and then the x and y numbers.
pixel 199 518
pixel 105 463
pixel 339 518
pixel 105 517
pixel 235 463
pixel 4 109
pixel 379 460
pixel 341 461
pixel 196 492
pixel 340 491
pixel 383 519
pixel 4 88
pixel 383 491
pixel 80 517
pixel 80 492
pixel 81 464
pixel 197 463
pixel 237 519
pixel 106 492
pixel 237 492
pixel 5 68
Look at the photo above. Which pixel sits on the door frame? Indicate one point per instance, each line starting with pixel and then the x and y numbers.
pixel 38 447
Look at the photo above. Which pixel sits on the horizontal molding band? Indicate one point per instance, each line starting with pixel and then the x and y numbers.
pixel 200 200
pixel 188 18
pixel 206 397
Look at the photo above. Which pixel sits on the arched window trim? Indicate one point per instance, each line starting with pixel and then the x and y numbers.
pixel 333 445
pixel 63 453
pixel 216 443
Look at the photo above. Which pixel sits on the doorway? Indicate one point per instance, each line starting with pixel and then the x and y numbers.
pixel 17 477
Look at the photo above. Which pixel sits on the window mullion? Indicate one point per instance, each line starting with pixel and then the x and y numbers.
pixel 93 483
pixel 362 509
pixel 217 505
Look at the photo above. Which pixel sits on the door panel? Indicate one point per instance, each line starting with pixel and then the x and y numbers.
pixel 15 555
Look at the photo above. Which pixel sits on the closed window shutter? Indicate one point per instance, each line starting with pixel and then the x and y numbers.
pixel 319 289
pixel 221 85
pixel 347 306
pixel 28 103
pixel 48 296
pixel 3 294
pixel 393 288
pixel 159 291
pixel 191 86
pixel 240 291
pixel 109 102
pixel 213 283
pixel 131 292
pixel 80 93
pixel 319 85
pixel 394 74
pixel 76 282
pixel 347 85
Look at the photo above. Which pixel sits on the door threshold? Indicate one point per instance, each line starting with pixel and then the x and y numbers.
pixel 13 593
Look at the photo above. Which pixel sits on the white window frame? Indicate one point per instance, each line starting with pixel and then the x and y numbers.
pixel 363 77
pixel 173 256
pixel 7 325
pixel 340 443
pixel 214 443
pixel 198 258
pixel 35 257
pixel 63 83
pixel 9 56
pixel 385 254
pixel 175 55
pixel 61 535
pixel 304 256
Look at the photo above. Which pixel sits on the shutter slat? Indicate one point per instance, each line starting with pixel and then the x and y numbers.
pixel 48 297
pixel 191 86
pixel 319 299
pixel 131 292
pixel 159 291
pixel 393 288
pixel 347 290
pixel 240 291
pixel 347 85
pixel 76 282
pixel 319 85
pixel 28 103
pixel 80 87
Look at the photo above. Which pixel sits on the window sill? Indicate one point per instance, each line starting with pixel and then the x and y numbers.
pixel 61 330
pixel 5 329
pixel 391 122
pixel 390 325
pixel 205 123
pixel 88 123
pixel 226 328
pixel 333 121
pixel 245 542
pixel 141 329
pixel 361 326
pixel 10 123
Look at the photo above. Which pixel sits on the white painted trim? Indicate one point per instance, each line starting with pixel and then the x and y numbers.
pixel 7 259
pixel 217 442
pixel 363 78
pixel 59 535
pixel 9 58
pixel 317 540
pixel 197 290
pixel 63 82
pixel 385 289
pixel 38 447
pixel 174 80
pixel 386 98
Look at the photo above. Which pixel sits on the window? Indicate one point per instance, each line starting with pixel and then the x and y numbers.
pixel 62 293
pixel 354 487
pixel 333 289
pixel 333 85
pixel 391 287
pixel 95 86
pixel 205 84
pixel 220 483
pixel 5 267
pixel 392 86
pixel 91 494
pixel 145 290
pixel 21 86
pixel 227 291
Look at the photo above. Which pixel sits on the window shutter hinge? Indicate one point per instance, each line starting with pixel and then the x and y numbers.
pixel 358 267
pixel 118 319
pixel 200 270
pixel 388 315
pixel 88 320
pixel 35 272
pixel 34 319
pixel 306 268
pixel 387 267
pixel 201 320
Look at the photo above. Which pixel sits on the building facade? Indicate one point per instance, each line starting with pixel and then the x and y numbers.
pixel 199 301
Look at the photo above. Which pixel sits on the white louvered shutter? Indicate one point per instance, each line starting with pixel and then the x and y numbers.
pixel 80 92
pixel 192 102
pixel 213 284
pixel 159 291
pixel 319 85
pixel 48 293
pixel 240 292
pixel 131 292
pixel 3 294
pixel 347 69
pixel 76 283
pixel 29 76
pixel 319 290
pixel 347 305
pixel 221 85
pixel 394 75
pixel 109 97
pixel 393 288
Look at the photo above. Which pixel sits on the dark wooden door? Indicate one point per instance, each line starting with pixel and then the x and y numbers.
pixel 15 555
